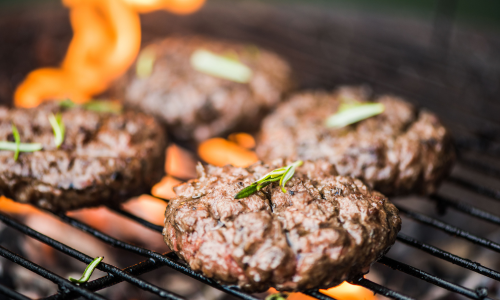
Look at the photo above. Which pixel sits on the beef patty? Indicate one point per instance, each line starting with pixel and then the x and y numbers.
pixel 196 106
pixel 105 158
pixel 400 151
pixel 324 230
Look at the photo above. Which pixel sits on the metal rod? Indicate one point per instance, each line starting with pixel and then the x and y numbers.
pixel 454 259
pixel 379 289
pixel 139 220
pixel 110 280
pixel 87 259
pixel 475 187
pixel 317 294
pixel 11 294
pixel 396 265
pixel 468 209
pixel 64 283
pixel 452 230
pixel 170 260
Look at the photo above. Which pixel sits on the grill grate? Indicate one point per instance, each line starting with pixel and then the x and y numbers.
pixel 156 260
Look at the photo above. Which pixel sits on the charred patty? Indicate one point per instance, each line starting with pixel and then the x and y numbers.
pixel 400 151
pixel 195 106
pixel 105 158
pixel 324 230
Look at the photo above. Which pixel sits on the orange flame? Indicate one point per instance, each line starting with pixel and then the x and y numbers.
pixel 107 38
pixel 344 291
pixel 221 152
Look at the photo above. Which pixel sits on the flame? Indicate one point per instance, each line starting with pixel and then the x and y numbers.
pixel 221 152
pixel 106 40
pixel 344 291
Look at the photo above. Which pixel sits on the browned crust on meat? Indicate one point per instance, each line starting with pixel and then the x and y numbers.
pixel 105 158
pixel 196 106
pixel 400 151
pixel 325 230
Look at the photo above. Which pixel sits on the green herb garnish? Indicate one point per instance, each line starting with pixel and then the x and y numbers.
pixel 58 128
pixel 210 63
pixel 353 113
pixel 283 175
pixel 103 106
pixel 88 271
pixel 145 63
pixel 17 140
pixel 17 146
pixel 95 105
pixel 277 296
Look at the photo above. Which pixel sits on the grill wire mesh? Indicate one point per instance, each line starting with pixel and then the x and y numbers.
pixel 480 142
pixel 154 260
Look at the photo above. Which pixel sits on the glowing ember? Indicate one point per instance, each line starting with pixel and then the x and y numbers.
pixel 10 206
pixel 106 40
pixel 221 152
pixel 347 291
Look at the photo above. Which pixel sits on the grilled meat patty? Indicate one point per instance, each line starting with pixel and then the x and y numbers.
pixel 324 230
pixel 400 151
pixel 105 158
pixel 195 106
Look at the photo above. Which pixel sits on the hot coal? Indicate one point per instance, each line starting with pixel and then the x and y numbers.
pixel 105 158
pixel 324 230
pixel 400 151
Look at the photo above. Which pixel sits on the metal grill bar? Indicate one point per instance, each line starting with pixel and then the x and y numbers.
pixel 370 285
pixel 465 263
pixel 467 209
pixel 87 259
pixel 396 265
pixel 141 221
pixel 452 230
pixel 12 294
pixel 475 187
pixel 170 260
pixel 110 280
pixel 379 289
pixel 481 167
pixel 61 282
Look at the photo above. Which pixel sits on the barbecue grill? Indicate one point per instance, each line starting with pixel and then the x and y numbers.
pixel 436 65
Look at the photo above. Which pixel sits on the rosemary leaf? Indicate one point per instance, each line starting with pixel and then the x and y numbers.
pixel 58 128
pixel 88 271
pixel 283 175
pixel 103 106
pixel 277 296
pixel 249 190
pixel 354 113
pixel 17 139
pixel 11 146
pixel 210 63
pixel 67 103
pixel 145 63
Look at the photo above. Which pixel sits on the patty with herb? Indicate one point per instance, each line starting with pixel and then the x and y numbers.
pixel 313 229
pixel 384 141
pixel 86 155
pixel 200 88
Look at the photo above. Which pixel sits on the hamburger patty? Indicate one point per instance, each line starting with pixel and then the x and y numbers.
pixel 400 151
pixel 324 230
pixel 196 106
pixel 105 158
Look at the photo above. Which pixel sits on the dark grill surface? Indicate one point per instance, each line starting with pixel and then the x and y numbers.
pixel 429 66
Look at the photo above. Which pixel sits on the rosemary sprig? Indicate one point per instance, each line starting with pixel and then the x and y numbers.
pixel 283 175
pixel 220 66
pixel 95 105
pixel 17 146
pixel 88 271
pixel 350 113
pixel 58 128
pixel 17 140
pixel 277 296
pixel 145 63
